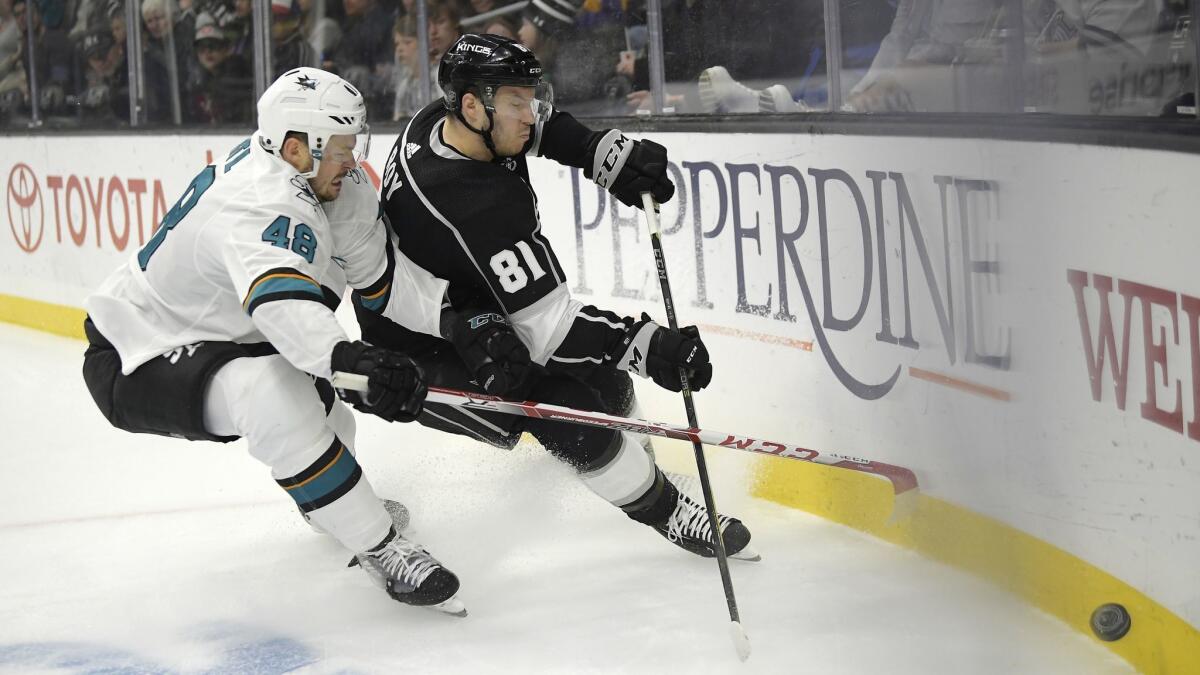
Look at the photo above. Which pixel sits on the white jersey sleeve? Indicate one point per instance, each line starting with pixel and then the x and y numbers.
pixel 543 325
pixel 384 280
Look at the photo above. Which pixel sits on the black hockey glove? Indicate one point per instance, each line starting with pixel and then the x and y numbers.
pixel 396 385
pixel 491 350
pixel 650 350
pixel 627 168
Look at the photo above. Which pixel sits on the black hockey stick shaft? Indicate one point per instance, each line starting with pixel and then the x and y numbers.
pixel 740 643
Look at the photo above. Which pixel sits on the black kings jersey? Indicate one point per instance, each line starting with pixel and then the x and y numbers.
pixel 476 224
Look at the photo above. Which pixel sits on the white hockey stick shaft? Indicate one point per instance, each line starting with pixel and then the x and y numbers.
pixel 903 480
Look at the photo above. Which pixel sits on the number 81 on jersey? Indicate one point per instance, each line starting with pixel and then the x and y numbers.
pixel 509 271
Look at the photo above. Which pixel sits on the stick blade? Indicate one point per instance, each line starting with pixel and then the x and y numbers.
pixel 903 506
pixel 741 643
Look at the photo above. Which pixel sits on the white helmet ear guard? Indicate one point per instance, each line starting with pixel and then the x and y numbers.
pixel 316 103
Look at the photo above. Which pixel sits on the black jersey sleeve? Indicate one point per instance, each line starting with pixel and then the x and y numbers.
pixel 569 337
pixel 623 166
pixel 566 140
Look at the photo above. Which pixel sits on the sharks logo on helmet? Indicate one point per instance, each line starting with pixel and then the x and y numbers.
pixel 317 104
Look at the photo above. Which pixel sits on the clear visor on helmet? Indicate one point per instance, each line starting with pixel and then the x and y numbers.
pixel 530 105
pixel 349 149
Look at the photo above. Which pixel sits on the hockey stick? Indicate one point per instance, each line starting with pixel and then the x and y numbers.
pixel 741 642
pixel 903 481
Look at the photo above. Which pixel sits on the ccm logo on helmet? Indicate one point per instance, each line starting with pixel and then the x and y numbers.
pixel 478 49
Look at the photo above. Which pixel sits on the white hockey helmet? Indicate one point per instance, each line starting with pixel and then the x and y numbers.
pixel 317 103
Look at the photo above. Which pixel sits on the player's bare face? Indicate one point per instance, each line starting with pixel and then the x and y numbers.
pixel 337 161
pixel 514 120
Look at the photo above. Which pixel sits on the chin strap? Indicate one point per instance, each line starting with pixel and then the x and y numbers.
pixel 485 133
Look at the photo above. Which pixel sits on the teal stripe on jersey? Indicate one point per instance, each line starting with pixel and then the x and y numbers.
pixel 284 285
pixel 372 304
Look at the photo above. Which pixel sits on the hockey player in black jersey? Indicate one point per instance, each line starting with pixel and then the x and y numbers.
pixel 457 192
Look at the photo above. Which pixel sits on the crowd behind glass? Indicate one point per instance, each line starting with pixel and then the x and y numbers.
pixel 66 63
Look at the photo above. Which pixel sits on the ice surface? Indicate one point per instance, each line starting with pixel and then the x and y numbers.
pixel 132 554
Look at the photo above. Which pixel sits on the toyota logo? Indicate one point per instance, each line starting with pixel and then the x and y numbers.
pixel 29 220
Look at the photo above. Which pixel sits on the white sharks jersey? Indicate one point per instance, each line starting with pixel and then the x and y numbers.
pixel 248 255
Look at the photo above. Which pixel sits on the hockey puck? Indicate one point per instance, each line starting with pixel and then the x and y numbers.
pixel 1110 622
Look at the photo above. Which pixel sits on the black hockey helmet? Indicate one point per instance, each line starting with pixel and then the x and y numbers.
pixel 481 64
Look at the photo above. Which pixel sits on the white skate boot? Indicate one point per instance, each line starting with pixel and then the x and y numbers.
pixel 398 512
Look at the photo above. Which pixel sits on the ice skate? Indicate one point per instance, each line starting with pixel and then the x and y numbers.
pixel 689 529
pixel 411 575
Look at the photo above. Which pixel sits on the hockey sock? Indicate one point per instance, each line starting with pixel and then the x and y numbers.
pixel 656 506
pixel 386 540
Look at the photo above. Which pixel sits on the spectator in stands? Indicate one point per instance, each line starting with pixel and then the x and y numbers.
pixel 221 92
pixel 115 15
pixel 88 14
pixel 408 97
pixel 1126 28
pixel 502 26
pixel 924 32
pixel 184 18
pixel 97 15
pixel 239 28
pixel 12 74
pixel 570 56
pixel 10 39
pixel 481 6
pixel 321 30
pixel 1103 57
pixel 289 48
pixel 49 62
pixel 365 52
pixel 444 27
pixel 752 40
pixel 166 72
pixel 105 98
pixel 864 23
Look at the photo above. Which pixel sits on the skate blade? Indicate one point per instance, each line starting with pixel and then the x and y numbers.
pixel 747 554
pixel 453 606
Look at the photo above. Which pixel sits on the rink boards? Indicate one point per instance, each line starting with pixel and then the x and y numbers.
pixel 1016 322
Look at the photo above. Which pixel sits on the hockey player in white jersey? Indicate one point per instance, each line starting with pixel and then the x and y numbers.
pixel 222 325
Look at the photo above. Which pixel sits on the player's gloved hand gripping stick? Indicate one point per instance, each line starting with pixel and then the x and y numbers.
pixel 393 386
pixel 490 349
